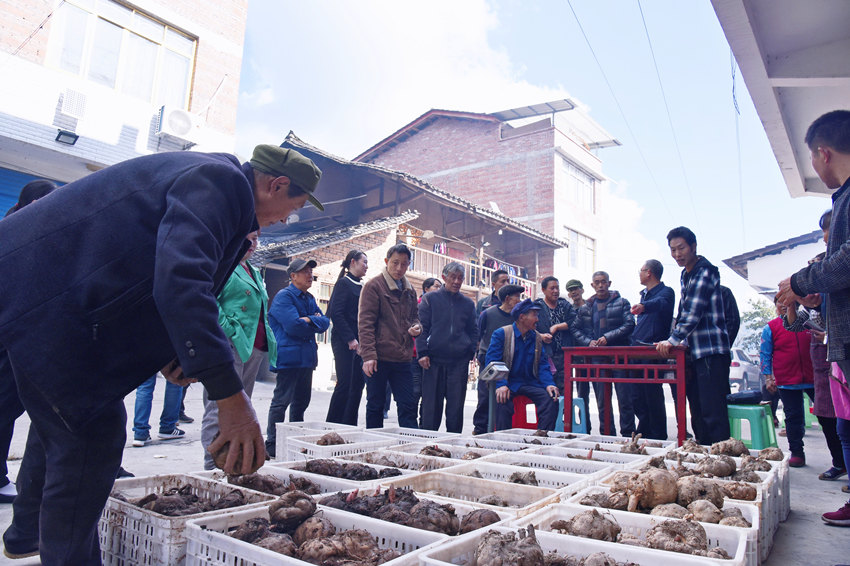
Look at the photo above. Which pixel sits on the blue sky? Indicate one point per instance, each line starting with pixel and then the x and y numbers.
pixel 344 75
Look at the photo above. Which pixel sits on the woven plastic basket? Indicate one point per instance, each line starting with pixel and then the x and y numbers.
pixel 305 447
pixel 621 461
pixel 285 430
pixel 594 471
pixel 564 482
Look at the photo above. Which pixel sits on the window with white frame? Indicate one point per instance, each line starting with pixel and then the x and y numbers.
pixel 122 48
pixel 581 188
pixel 582 251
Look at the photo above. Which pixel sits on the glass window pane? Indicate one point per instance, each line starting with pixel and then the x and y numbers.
pixel 179 42
pixel 115 12
pixel 106 48
pixel 140 65
pixel 148 27
pixel 72 30
pixel 173 80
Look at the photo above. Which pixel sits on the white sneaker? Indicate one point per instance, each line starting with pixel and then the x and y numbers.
pixel 173 435
pixel 138 443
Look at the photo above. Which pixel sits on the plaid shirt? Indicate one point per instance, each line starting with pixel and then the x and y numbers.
pixel 701 320
pixel 832 276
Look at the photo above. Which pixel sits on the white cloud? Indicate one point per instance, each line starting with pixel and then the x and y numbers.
pixel 262 97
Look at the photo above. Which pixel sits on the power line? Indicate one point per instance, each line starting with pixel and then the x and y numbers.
pixel 622 113
pixel 738 146
pixel 669 116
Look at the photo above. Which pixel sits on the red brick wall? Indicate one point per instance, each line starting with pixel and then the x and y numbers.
pixel 516 173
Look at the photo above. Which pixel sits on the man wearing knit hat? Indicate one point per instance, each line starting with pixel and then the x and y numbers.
pixel 138 252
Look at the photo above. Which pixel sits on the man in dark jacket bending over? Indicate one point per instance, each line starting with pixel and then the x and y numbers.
pixel 520 347
pixel 605 320
pixel 445 347
pixel 113 278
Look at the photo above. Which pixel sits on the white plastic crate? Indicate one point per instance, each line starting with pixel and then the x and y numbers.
pixel 611 447
pixel 285 430
pixel 130 535
pixel 550 434
pixel 521 499
pixel 750 513
pixel 413 434
pixel 528 439
pixel 733 541
pixel 457 452
pixel 209 545
pixel 461 550
pixel 305 447
pixel 280 470
pixel 472 443
pixel 767 527
pixel 563 482
pixel 622 440
pixel 300 467
pixel 621 461
pixel 593 471
pixel 413 462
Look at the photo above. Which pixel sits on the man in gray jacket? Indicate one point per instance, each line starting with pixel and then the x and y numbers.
pixel 605 320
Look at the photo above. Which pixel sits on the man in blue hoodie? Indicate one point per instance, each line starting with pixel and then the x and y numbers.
pixel 520 347
pixel 702 322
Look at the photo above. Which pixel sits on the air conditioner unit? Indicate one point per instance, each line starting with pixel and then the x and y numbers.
pixel 178 123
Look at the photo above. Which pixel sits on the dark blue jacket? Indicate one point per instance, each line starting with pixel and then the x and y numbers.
pixel 296 338
pixel 654 324
pixel 449 327
pixel 544 324
pixel 522 366
pixel 620 322
pixel 108 279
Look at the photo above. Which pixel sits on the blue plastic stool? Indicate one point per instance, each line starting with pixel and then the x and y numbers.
pixel 579 417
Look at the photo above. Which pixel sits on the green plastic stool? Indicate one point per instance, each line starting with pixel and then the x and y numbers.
pixel 760 417
pixel 811 419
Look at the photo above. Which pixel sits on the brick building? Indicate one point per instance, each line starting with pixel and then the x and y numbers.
pixel 89 83
pixel 537 165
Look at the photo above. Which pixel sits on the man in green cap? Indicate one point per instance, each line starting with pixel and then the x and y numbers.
pixel 142 247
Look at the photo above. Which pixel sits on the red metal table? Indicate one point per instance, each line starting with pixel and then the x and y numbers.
pixel 633 359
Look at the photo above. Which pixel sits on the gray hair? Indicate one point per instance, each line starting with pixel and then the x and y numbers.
pixel 654 266
pixel 453 267
pixel 602 273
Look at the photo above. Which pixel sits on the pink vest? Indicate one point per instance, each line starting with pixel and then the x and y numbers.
pixel 792 363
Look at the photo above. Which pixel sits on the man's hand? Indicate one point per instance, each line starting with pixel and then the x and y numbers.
pixel 785 295
pixel 174 374
pixel 237 423
pixel 818 336
pixel 594 344
pixel 664 347
pixel 353 344
pixel 370 367
pixel 425 362
pixel 503 394
pixel 601 341
pixel 547 338
pixel 770 383
pixel 415 330
pixel 558 327
pixel 811 301
pixel 637 309
pixel 553 392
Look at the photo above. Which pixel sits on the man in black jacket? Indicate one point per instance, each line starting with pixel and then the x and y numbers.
pixel 605 320
pixel 445 347
pixel 114 277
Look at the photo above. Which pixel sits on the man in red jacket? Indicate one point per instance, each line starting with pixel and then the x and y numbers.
pixel 787 367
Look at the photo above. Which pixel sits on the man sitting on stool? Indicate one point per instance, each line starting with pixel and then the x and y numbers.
pixel 530 372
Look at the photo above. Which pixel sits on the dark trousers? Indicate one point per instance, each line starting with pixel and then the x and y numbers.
pixel 706 392
pixel 583 392
pixel 10 409
pixel 481 416
pixel 842 426
pixel 557 359
pixel 398 375
pixel 345 401
pixel 649 407
pixel 294 387
pixel 64 481
pixel 830 432
pixel 416 371
pixel 795 418
pixel 547 408
pixel 444 381
pixel 768 396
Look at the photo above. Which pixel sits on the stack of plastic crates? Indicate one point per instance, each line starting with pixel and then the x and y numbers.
pixel 285 430
pixel 306 447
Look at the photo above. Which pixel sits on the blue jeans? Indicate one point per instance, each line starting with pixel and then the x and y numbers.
pixel 795 418
pixel 843 428
pixel 170 408
pixel 400 379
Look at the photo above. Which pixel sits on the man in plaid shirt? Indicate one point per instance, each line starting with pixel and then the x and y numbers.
pixel 702 324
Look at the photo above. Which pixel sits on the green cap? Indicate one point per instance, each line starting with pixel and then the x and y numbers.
pixel 278 161
pixel 573 284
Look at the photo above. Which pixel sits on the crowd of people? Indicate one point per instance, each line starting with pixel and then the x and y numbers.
pixel 160 280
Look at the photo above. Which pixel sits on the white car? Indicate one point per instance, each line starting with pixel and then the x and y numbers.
pixel 743 373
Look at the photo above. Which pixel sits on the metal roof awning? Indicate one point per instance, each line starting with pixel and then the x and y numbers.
pixel 535 110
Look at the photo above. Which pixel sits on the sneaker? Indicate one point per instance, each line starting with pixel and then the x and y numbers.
pixel 840 518
pixel 139 442
pixel 8 493
pixel 845 489
pixel 122 473
pixel 832 474
pixel 797 461
pixel 173 435
pixel 184 418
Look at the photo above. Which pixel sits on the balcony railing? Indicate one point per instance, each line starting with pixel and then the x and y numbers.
pixel 430 264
